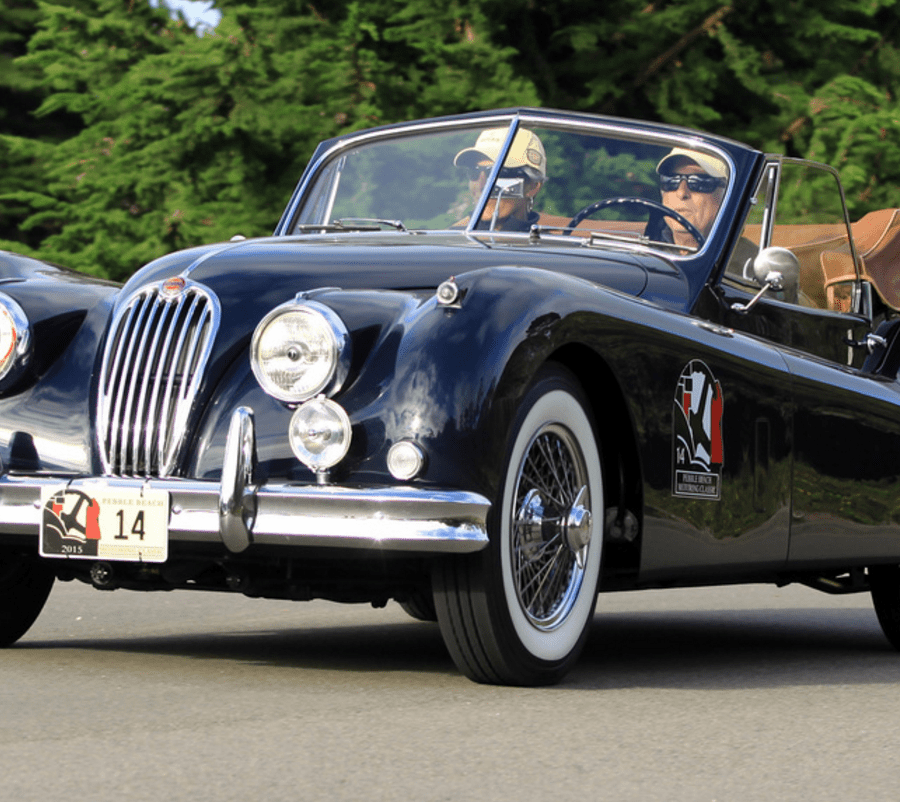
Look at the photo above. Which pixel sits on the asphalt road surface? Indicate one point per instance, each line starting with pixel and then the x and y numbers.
pixel 742 693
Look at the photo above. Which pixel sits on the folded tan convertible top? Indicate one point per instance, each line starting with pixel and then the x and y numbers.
pixel 877 238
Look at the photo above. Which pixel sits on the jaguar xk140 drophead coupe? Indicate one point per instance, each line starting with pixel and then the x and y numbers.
pixel 487 366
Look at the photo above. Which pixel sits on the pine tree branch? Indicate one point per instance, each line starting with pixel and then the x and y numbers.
pixel 800 122
pixel 709 24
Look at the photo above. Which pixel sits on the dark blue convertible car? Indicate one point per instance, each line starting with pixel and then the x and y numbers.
pixel 487 366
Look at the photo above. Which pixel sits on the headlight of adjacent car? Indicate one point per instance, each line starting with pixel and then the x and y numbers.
pixel 15 338
pixel 299 350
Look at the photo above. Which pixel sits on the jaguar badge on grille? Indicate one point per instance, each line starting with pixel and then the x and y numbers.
pixel 172 287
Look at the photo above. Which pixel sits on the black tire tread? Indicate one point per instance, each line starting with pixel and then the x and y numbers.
pixel 25 583
pixel 455 613
pixel 884 584
pixel 420 607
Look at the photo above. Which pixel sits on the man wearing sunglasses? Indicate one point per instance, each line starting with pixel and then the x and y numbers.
pixel 692 184
pixel 521 177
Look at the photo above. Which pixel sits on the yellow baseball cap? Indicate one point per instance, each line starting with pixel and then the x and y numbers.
pixel 527 151
pixel 710 164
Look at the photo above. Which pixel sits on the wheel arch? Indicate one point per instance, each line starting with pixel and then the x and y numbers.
pixel 623 484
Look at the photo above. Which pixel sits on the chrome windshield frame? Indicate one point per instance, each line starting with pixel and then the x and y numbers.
pixel 516 118
pixel 480 206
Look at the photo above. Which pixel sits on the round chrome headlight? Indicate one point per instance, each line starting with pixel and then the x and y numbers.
pixel 300 349
pixel 15 336
pixel 320 434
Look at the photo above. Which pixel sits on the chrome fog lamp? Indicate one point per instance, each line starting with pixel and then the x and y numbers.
pixel 15 336
pixel 300 349
pixel 320 434
pixel 405 460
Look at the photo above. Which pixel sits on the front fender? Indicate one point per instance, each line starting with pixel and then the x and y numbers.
pixel 45 415
pixel 446 377
pixel 376 321
pixel 460 371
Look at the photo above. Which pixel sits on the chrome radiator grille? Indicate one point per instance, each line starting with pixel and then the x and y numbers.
pixel 158 346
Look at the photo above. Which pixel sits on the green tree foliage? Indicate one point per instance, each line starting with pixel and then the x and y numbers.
pixel 89 206
pixel 741 68
pixel 854 125
pixel 17 90
pixel 124 134
pixel 811 78
pixel 192 139
pixel 24 140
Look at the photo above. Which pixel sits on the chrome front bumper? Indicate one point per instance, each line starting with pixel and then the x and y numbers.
pixel 238 514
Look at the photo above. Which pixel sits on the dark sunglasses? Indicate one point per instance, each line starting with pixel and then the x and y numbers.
pixel 696 182
pixel 475 173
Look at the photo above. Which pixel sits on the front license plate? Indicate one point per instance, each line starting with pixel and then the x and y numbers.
pixel 105 524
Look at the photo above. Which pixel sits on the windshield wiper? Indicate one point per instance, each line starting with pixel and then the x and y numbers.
pixel 330 228
pixel 356 222
pixel 348 224
pixel 594 235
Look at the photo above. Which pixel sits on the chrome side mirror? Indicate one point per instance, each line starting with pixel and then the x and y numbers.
pixel 775 269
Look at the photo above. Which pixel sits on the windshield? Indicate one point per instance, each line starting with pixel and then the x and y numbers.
pixel 569 182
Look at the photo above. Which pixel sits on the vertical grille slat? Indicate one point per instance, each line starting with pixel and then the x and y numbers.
pixel 141 419
pixel 170 400
pixel 153 407
pixel 131 386
pixel 200 324
pixel 123 357
pixel 156 353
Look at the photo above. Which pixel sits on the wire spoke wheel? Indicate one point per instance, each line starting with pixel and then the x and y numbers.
pixel 547 571
pixel 519 611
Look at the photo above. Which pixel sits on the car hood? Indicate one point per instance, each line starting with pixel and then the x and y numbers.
pixel 251 277
pixel 254 275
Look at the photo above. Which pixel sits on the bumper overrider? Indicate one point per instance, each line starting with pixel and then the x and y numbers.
pixel 239 514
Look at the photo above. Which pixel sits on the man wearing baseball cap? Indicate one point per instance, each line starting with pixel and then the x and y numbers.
pixel 521 177
pixel 693 184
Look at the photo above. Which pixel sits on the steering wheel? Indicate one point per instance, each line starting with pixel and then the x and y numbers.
pixel 657 212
